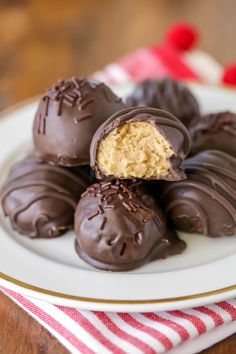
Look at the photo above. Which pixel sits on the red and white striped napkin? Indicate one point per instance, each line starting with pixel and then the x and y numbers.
pixel 162 60
pixel 175 332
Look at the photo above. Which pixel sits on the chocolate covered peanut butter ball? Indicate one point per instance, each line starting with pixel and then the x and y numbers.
pixel 206 202
pixel 140 142
pixel 119 227
pixel 67 117
pixel 40 199
pixel 170 95
pixel 215 131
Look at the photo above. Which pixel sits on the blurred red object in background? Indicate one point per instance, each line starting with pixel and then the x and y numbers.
pixel 182 35
pixel 229 74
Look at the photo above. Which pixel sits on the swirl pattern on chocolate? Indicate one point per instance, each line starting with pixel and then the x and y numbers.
pixel 40 198
pixel 167 94
pixel 118 227
pixel 173 133
pixel 215 131
pixel 67 117
pixel 206 201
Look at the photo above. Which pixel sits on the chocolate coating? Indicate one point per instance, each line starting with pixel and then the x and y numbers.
pixel 67 117
pixel 215 131
pixel 86 173
pixel 205 202
pixel 167 94
pixel 118 227
pixel 165 123
pixel 40 199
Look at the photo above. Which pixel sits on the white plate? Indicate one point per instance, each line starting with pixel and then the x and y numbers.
pixel 50 269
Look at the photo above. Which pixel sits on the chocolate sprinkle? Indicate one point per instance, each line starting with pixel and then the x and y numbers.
pixel 93 216
pixel 75 109
pixel 100 209
pixel 126 227
pixel 104 220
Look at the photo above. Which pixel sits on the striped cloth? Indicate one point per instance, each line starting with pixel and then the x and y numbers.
pixel 175 332
pixel 162 60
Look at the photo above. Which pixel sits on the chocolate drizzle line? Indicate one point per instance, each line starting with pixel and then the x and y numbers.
pixel 36 222
pixel 40 167
pixel 205 189
pixel 213 123
pixel 30 174
pixel 41 196
pixel 123 249
pixel 192 205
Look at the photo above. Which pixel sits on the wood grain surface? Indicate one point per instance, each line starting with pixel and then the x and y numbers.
pixel 41 41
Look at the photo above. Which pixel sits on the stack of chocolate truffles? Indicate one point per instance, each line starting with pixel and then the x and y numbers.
pixel 124 173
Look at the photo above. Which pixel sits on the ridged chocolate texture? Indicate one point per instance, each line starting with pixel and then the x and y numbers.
pixel 67 117
pixel 215 131
pixel 40 199
pixel 167 94
pixel 165 123
pixel 119 227
pixel 205 202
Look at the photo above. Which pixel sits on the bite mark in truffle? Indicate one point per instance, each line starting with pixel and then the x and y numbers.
pixel 140 142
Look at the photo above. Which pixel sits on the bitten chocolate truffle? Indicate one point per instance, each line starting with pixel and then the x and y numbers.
pixel 40 199
pixel 167 94
pixel 67 117
pixel 118 227
pixel 206 202
pixel 215 131
pixel 140 142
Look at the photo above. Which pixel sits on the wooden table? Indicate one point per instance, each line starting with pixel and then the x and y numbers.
pixel 41 41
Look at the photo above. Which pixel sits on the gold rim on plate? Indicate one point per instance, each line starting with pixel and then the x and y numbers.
pixel 110 301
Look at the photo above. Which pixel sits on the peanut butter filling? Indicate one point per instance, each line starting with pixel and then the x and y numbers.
pixel 135 149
